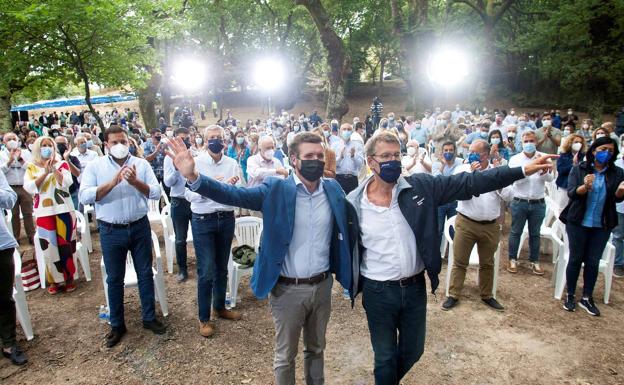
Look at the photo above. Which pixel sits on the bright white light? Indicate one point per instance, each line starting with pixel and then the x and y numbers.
pixel 269 73
pixel 447 67
pixel 189 74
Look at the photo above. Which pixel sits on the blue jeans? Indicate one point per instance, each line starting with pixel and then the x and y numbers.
pixel 444 212
pixel 212 238
pixel 397 321
pixel 181 216
pixel 521 212
pixel 618 241
pixel 586 246
pixel 74 197
pixel 115 243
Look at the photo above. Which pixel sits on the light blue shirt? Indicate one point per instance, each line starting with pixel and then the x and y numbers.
pixel 308 253
pixel 595 201
pixel 124 203
pixel 173 179
pixel 419 135
pixel 345 164
pixel 8 197
pixel 474 136
pixel 440 168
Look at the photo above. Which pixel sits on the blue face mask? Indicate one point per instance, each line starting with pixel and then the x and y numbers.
pixel 449 156
pixel 483 134
pixel 529 148
pixel 603 156
pixel 390 171
pixel 474 157
pixel 215 145
pixel 46 152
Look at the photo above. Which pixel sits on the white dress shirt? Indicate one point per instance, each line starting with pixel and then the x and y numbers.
pixel 84 158
pixel 390 251
pixel 14 172
pixel 259 168
pixel 485 207
pixel 345 164
pixel 222 170
pixel 530 187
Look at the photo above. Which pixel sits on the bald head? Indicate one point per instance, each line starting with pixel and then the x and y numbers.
pixel 266 143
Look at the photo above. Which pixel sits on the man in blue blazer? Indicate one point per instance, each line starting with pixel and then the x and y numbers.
pixel 304 241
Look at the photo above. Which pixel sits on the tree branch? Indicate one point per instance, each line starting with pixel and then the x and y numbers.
pixel 478 10
pixel 501 11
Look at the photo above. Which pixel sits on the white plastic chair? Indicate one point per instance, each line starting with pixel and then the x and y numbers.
pixel 131 279
pixel 19 296
pixel 248 231
pixel 169 235
pixel 546 230
pixel 606 268
pixel 153 213
pixel 474 257
pixel 8 218
pixel 86 238
pixel 41 265
pixel 81 249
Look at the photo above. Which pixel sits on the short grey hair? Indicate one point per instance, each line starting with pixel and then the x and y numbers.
pixel 214 127
pixel 528 132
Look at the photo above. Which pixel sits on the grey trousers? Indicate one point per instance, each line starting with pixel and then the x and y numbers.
pixel 297 307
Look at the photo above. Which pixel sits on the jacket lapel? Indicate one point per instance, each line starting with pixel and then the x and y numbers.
pixel 291 196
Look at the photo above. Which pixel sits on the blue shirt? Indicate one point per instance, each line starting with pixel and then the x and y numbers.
pixel 124 203
pixel 595 201
pixel 345 164
pixel 173 179
pixel 444 169
pixel 419 135
pixel 8 197
pixel 474 136
pixel 158 162
pixel 308 252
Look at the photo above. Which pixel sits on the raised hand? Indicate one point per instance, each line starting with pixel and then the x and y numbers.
pixel 475 166
pixel 542 164
pixel 588 181
pixel 233 180
pixel 182 159
pixel 130 174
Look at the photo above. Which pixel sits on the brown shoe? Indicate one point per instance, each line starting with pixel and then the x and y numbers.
pixel 229 314
pixel 537 269
pixel 206 329
pixel 513 266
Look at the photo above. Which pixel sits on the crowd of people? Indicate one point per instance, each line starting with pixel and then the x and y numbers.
pixel 338 199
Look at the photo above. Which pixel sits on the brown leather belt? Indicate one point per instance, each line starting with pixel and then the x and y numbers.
pixel 304 281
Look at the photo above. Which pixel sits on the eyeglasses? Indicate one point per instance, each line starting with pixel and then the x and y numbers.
pixel 386 157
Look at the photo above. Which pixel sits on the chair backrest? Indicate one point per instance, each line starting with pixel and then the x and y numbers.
pixel 450 222
pixel 17 261
pixel 248 230
pixel 156 250
pixel 167 222
pixel 164 196
pixel 80 223
pixel 154 205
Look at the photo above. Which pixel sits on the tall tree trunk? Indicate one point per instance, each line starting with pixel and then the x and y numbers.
pixel 148 100
pixel 338 61
pixel 5 108
pixel 382 67
pixel 87 89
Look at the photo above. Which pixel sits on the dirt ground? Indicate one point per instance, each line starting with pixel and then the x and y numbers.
pixel 533 342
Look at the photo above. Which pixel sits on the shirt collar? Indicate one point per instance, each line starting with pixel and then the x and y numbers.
pixel 300 185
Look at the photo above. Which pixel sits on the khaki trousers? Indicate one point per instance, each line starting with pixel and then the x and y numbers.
pixel 486 236
pixel 25 202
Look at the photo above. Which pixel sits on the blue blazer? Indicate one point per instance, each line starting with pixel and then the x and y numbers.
pixel 276 199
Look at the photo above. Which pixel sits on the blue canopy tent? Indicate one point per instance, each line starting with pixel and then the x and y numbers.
pixel 79 101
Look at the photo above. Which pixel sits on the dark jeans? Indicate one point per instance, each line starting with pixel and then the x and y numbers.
pixel 586 246
pixel 521 213
pixel 348 182
pixel 444 212
pixel 7 305
pixel 212 238
pixel 396 320
pixel 618 241
pixel 181 216
pixel 116 242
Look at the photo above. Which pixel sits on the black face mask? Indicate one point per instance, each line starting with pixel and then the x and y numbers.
pixel 311 169
pixel 187 143
pixel 61 148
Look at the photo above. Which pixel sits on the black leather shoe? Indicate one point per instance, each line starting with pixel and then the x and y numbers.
pixel 16 355
pixel 491 302
pixel 114 336
pixel 182 276
pixel 155 326
pixel 449 303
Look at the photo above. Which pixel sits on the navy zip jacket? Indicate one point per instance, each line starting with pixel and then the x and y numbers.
pixel 419 196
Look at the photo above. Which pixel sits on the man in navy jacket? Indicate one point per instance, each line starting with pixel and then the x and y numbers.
pixel 304 241
pixel 393 232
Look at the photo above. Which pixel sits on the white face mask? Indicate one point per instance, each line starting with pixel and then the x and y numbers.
pixel 411 151
pixel 169 134
pixel 12 144
pixel 585 126
pixel 268 154
pixel 576 147
pixel 546 123
pixel 119 151
pixel 199 141
pixel 600 136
